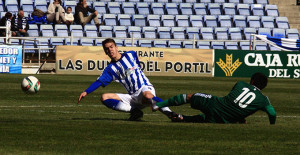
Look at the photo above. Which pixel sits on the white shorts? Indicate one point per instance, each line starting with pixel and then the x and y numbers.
pixel 135 100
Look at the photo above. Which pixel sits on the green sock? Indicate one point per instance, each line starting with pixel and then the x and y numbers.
pixel 173 101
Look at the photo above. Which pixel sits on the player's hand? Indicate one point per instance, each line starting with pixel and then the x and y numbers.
pixel 82 95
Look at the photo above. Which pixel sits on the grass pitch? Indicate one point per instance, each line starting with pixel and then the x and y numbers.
pixel 51 122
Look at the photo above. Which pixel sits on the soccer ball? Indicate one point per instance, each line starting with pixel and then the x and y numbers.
pixel 30 85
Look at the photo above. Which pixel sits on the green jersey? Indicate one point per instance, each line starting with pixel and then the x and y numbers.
pixel 243 100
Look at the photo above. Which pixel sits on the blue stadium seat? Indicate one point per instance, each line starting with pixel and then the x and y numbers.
pixel 14 41
pixel 143 8
pixel 210 21
pixel 245 45
pixel 191 1
pixel 157 8
pixel 114 7
pixel 217 45
pixel 235 33
pixel 120 31
pixel 177 1
pixel 221 33
pixel 71 4
pixel 43 44
pixel 12 6
pixel 135 31
pixel 168 20
pixel 41 4
pixel 182 20
pixel 240 21
pixel 128 7
pixel 248 1
pixel 124 19
pixel 243 9
pixel 153 20
pixel 268 21
pixel 207 33
pixel 1 8
pixel 160 43
pixel 76 31
pixel 27 5
pixel 100 7
pixel 282 22
pixel 2 14
pixel 149 32
pixel 205 1
pixel 47 30
pixel 175 44
pixel 262 2
pixel 187 44
pixel 61 30
pixel 254 21
pixel 264 31
pixel 272 48
pixel 231 45
pixel 225 21
pixel 145 43
pixel 33 30
pixel 86 42
pixel 196 20
pixel 292 33
pixel 139 20
pixel 193 31
pixel 164 32
pixel 186 8
pixel 271 10
pixel 106 31
pixel 234 1
pixel 29 45
pixel 200 9
pixel 110 19
pixel 279 33
pixel 229 9
pixel 57 41
pixel 261 46
pixel 149 1
pixel 91 30
pixel 171 8
pixel 163 1
pixel 119 42
pixel 219 1
pixel 128 43
pixel 203 45
pixel 257 9
pixel 135 1
pixel 1 40
pixel 248 31
pixel 178 32
pixel 214 8
pixel 99 42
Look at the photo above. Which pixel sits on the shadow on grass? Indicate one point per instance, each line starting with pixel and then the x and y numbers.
pixel 106 119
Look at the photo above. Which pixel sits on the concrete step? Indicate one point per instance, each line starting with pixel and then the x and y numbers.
pixel 283 2
pixel 294 20
pixel 289 14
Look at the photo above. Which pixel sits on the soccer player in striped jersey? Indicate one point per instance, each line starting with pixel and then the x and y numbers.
pixel 125 69
pixel 243 100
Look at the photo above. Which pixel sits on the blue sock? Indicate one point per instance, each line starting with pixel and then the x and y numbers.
pixel 157 99
pixel 111 103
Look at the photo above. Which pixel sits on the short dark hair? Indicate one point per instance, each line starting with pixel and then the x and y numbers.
pixel 259 80
pixel 69 7
pixel 108 40
pixel 8 15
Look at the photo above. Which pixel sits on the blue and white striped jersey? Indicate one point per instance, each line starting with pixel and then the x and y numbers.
pixel 126 71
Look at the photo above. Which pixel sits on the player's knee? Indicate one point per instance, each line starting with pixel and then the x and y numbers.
pixel 188 98
pixel 148 95
pixel 104 97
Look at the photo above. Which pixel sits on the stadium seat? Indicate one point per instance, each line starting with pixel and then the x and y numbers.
pixel 196 20
pixel 135 1
pixel 149 1
pixel 1 8
pixel 128 7
pixel 86 42
pixel 41 4
pixel 178 32
pixel 261 46
pixel 191 1
pixel 164 32
pixel 210 21
pixel 71 4
pixel 273 48
pixel 149 32
pixel 135 31
pixel 143 8
pixel 163 1
pixel 139 20
pixel 177 1
pixel 231 45
pixel 145 43
pixel 254 21
pixel 110 19
pixel 225 21
pixel 160 43
pixel 157 8
pixel 292 33
pixel 229 9
pixel 268 21
pixel 221 33
pixel 282 22
pixel 262 2
pixel 14 41
pixel 243 9
pixel 106 31
pixel 193 32
pixel 120 31
pixel 248 1
pixel 76 30
pixel 2 14
pixel 205 1
pixel 1 40
pixel 207 33
pixel 61 30
pixel 91 30
pixel 248 31
pixel 128 43
pixel 100 7
pixel 124 19
pixel 57 41
pixel 187 44
pixel 264 31
pixel 234 1
pixel 43 44
pixel 12 6
pixel 186 8
pixel 175 44
pixel 27 5
pixel 182 20
pixel 119 42
pixel 235 33
pixel 99 42
pixel 257 9
pixel 168 20
pixel 240 21
pixel 114 7
pixel 33 30
pixel 203 45
pixel 217 45
pixel 279 33
pixel 271 10
pixel 220 2
pixel 29 45
pixel 245 45
pixel 214 8
pixel 200 9
pixel 47 30
pixel 153 20
pixel 171 8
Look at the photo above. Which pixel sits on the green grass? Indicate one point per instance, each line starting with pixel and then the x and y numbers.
pixel 51 122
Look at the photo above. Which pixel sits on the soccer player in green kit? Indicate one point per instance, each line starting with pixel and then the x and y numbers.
pixel 243 100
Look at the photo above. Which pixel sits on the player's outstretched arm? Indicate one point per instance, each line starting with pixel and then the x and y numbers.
pixel 82 95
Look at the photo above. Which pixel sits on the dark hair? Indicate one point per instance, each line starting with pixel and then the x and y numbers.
pixel 58 1
pixel 69 7
pixel 8 15
pixel 259 80
pixel 108 40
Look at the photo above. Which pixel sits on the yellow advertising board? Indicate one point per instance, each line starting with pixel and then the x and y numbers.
pixel 92 60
